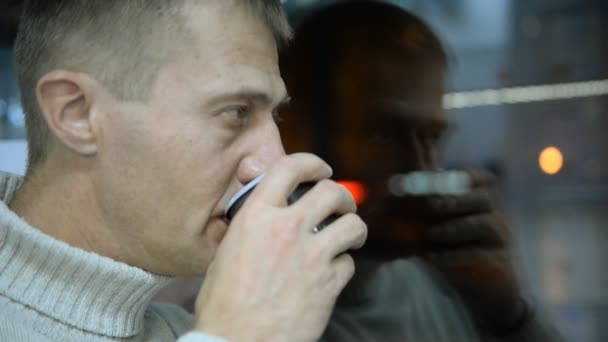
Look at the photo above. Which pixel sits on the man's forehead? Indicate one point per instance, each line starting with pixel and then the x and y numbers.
pixel 218 80
pixel 399 113
pixel 238 40
pixel 243 73
pixel 407 105
pixel 222 21
pixel 237 57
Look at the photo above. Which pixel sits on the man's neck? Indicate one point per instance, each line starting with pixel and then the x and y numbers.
pixel 64 207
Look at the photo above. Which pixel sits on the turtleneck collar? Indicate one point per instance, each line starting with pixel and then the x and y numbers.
pixel 73 286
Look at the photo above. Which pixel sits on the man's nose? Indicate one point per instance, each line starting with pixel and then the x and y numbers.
pixel 265 149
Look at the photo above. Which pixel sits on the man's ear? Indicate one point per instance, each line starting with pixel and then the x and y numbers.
pixel 65 100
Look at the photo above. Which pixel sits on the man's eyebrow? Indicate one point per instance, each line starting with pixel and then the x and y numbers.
pixel 252 96
pixel 414 109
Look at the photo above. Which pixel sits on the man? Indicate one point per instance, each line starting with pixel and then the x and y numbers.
pixel 367 84
pixel 144 117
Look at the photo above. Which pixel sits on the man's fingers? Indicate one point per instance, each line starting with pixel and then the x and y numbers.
pixel 283 178
pixel 324 199
pixel 481 178
pixel 346 233
pixel 485 230
pixel 478 201
pixel 344 268
pixel 472 263
pixel 473 266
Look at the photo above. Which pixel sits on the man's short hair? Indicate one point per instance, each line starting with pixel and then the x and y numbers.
pixel 121 43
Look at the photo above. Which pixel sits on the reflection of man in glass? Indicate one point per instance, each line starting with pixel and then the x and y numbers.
pixel 366 80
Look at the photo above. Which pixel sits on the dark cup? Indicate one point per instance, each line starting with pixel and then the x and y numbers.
pixel 237 201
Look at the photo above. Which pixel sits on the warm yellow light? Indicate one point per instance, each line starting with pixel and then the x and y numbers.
pixel 551 160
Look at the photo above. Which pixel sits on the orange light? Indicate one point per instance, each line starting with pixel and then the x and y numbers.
pixel 357 189
pixel 551 160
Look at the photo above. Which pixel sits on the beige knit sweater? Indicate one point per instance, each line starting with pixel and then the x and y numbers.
pixel 50 291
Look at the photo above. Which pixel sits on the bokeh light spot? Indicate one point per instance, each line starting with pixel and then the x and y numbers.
pixel 551 160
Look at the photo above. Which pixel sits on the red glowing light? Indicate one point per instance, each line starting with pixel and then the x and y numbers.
pixel 357 189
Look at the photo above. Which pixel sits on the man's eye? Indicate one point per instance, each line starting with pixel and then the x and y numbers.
pixel 435 136
pixel 237 116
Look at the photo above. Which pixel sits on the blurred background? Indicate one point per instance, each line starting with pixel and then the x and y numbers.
pixel 528 90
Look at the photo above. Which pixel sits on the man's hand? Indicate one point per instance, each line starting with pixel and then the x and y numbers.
pixel 469 244
pixel 273 279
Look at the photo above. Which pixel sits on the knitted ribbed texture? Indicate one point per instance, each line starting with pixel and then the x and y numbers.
pixel 52 291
